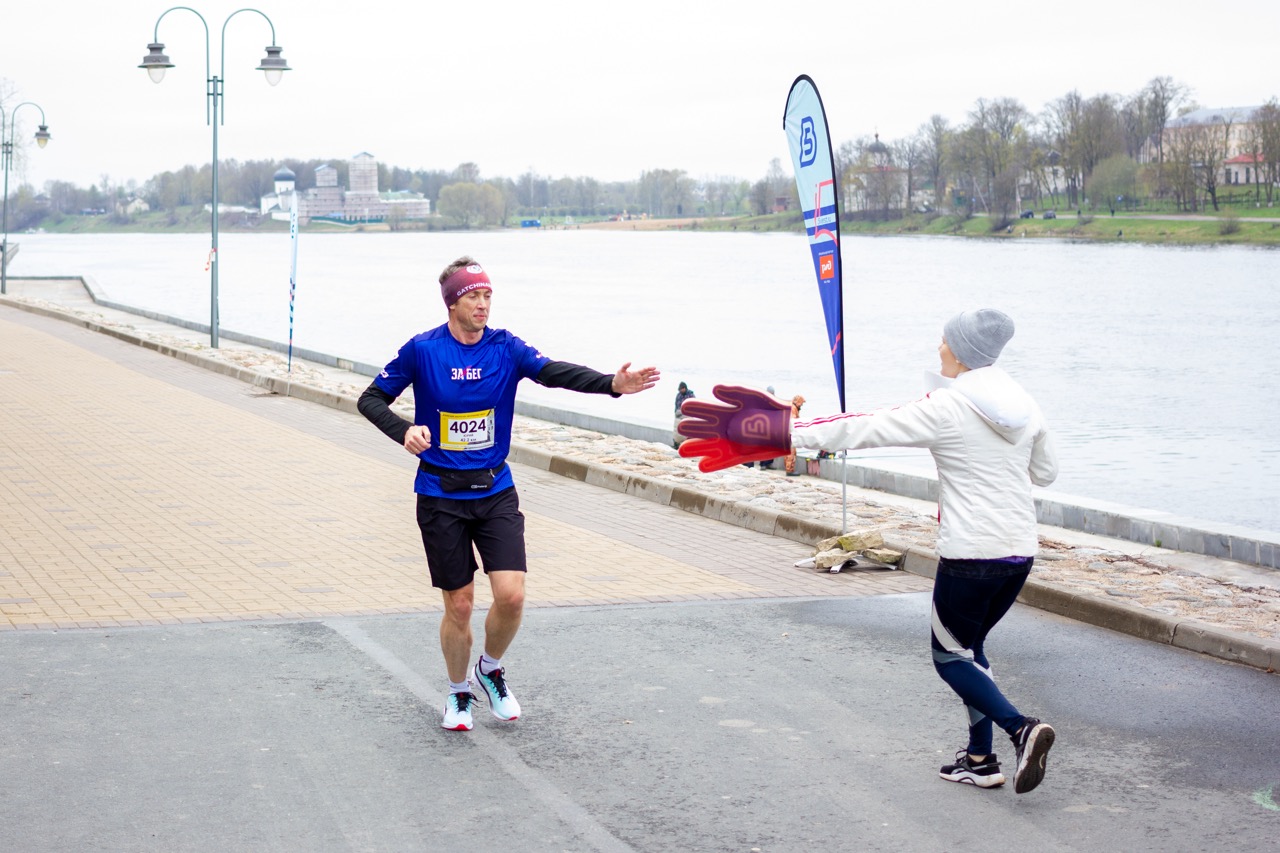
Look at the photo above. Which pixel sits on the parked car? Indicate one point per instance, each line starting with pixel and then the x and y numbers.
pixel 1049 214
pixel 1027 214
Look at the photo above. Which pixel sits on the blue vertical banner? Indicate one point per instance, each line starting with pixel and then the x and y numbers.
pixel 805 122
pixel 293 268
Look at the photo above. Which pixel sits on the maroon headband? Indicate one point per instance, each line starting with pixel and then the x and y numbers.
pixel 466 279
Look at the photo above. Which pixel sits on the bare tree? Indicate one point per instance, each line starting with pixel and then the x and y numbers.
pixel 1065 119
pixel 1267 119
pixel 1163 96
pixel 1211 145
pixel 563 191
pixel 1179 170
pixel 467 173
pixel 782 184
pixel 1136 124
pixel 665 192
pixel 1252 146
pixel 996 134
pixel 760 199
pixel 1101 135
pixel 934 135
pixel 587 195
pixel 492 205
pixel 846 174
pixel 909 155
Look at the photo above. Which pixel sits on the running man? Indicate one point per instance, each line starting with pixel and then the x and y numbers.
pixel 464 377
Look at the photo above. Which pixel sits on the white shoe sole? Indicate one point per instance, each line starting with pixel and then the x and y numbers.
pixel 1031 765
pixel 966 778
pixel 464 724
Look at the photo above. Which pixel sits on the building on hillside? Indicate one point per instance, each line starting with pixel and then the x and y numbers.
pixel 326 198
pixel 1234 121
pixel 1235 125
pixel 361 202
pixel 1244 169
pixel 132 206
pixel 277 204
pixel 875 187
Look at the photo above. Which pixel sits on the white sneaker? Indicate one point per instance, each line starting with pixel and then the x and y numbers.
pixel 494 686
pixel 457 712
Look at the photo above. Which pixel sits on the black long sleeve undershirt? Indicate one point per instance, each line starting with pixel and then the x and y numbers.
pixel 575 377
pixel 375 404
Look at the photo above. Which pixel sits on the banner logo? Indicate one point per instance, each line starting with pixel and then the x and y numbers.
pixel 808 141
pixel 827 266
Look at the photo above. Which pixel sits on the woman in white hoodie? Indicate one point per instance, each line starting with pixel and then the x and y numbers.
pixel 990 443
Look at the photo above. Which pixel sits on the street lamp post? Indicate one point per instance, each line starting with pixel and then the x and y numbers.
pixel 6 156
pixel 272 65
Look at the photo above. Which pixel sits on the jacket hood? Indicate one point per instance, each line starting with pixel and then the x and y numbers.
pixel 995 396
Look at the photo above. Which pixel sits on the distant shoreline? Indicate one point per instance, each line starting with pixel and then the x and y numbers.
pixel 1224 229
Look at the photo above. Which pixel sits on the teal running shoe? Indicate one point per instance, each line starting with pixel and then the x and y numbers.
pixel 494 686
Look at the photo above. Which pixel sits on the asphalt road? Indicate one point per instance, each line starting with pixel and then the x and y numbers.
pixel 744 725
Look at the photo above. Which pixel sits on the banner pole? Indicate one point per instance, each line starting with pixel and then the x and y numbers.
pixel 809 140
pixel 293 268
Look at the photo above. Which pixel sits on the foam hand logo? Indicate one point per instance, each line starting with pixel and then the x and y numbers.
pixel 754 426
pixel 808 142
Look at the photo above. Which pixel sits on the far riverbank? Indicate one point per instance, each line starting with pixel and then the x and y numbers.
pixel 1225 229
pixel 1253 227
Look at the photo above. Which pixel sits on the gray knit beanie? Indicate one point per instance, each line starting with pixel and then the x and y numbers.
pixel 976 337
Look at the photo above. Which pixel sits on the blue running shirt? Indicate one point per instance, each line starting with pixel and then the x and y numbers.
pixel 466 395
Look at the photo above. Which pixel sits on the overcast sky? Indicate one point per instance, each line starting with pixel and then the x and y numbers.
pixel 575 88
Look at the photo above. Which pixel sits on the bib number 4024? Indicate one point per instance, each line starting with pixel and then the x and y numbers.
pixel 466 430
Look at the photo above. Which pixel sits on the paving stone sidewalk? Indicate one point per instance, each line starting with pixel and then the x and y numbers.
pixel 137 489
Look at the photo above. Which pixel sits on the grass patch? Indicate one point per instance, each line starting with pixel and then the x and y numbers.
pixel 1120 228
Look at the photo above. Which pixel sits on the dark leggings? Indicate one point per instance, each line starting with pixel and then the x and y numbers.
pixel 969 598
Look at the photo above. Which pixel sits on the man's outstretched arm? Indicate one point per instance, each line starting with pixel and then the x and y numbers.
pixel 575 377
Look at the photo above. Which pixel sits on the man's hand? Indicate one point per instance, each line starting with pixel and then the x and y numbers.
pixel 747 426
pixel 628 381
pixel 417 439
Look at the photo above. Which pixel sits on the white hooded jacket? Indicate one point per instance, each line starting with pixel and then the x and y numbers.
pixel 990 443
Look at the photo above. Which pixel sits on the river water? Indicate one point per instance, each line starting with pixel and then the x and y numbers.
pixel 1150 362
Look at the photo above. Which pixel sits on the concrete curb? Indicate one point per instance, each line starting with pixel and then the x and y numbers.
pixel 1081 607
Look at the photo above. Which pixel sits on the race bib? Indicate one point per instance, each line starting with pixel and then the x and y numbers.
pixel 466 430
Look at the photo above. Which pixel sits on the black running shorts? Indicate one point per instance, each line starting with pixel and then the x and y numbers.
pixel 450 527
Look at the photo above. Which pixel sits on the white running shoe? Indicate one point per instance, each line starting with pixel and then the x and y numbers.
pixel 457 712
pixel 494 686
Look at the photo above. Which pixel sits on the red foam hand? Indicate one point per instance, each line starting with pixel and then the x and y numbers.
pixel 720 453
pixel 746 426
